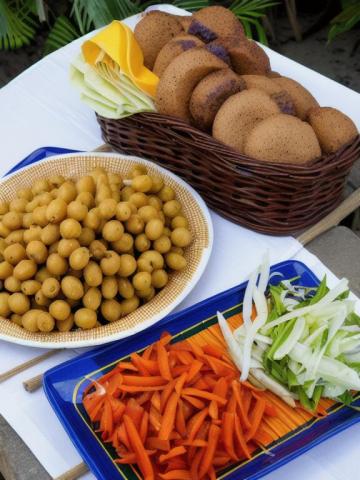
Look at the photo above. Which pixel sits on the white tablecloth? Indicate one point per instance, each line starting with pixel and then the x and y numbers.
pixel 39 108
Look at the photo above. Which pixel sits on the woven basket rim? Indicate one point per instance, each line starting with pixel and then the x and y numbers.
pixel 76 339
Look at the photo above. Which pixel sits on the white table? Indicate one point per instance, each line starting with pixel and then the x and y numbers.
pixel 39 108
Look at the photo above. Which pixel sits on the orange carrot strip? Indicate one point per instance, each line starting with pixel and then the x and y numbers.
pixel 183 345
pixel 168 417
pixel 180 382
pixel 176 475
pixel 237 393
pixel 184 357
pixel 174 452
pixel 165 338
pixel 147 352
pixel 194 369
pixel 198 351
pixel 144 426
pixel 228 434
pixel 180 423
pixel 165 394
pixel 194 466
pixel 207 395
pixel 200 383
pixel 219 366
pixel 197 442
pixel 139 364
pixel 144 397
pixel 123 436
pixel 118 409
pixel 134 389
pixel 142 457
pixel 211 473
pixel 256 417
pixel 143 381
pixel 221 387
pixel 213 410
pixel 213 438
pixel 262 437
pixel 106 422
pixel 252 387
pixel 213 350
pixel 155 418
pixel 231 406
pixel 126 366
pixel 163 362
pixel 240 438
pixel 179 369
pixel 247 398
pixel 270 410
pixel 113 384
pixel 199 404
pixel 176 463
pixel 134 411
pixel 131 457
pixel 157 444
pixel 195 423
pixel 221 460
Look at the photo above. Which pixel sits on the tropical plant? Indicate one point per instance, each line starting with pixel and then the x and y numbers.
pixel 19 19
pixel 346 20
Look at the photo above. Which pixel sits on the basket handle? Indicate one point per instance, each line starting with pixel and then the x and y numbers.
pixel 351 203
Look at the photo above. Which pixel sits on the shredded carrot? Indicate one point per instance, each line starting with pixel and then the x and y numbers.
pixel 169 417
pixel 142 457
pixel 174 452
pixel 179 412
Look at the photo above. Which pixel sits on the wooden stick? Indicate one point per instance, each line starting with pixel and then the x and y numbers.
pixel 24 366
pixel 74 473
pixel 351 203
pixel 103 148
pixel 33 384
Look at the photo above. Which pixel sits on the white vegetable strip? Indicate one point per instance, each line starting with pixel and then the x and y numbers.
pixel 264 273
pixel 292 339
pixel 247 303
pixel 262 312
pixel 340 288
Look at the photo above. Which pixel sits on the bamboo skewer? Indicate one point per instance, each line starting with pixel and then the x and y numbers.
pixel 24 366
pixel 74 473
pixel 33 384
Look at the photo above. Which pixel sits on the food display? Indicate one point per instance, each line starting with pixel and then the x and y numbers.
pixel 178 411
pixel 214 78
pixel 301 343
pixel 80 252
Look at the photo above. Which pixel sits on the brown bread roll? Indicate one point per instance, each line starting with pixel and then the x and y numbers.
pixel 153 31
pixel 302 98
pixel 210 93
pixel 283 139
pixel 172 49
pixel 213 22
pixel 333 128
pixel 239 114
pixel 181 77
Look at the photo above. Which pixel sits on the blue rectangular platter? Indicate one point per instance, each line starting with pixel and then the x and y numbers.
pixel 64 386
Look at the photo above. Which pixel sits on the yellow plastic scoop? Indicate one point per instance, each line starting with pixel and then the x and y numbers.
pixel 116 47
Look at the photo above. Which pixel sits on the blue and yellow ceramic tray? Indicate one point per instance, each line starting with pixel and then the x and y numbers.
pixel 64 386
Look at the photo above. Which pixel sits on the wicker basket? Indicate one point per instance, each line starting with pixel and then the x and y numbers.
pixel 272 198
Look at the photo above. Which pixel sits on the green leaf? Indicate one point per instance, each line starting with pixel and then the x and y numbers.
pixel 321 291
pixel 345 21
pixel 97 13
pixel 62 33
pixel 17 25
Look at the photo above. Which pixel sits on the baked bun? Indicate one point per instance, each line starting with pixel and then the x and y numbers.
pixel 212 22
pixel 247 58
pixel 172 49
pixel 181 77
pixel 302 98
pixel 239 114
pixel 273 74
pixel 282 139
pixel 210 93
pixel 265 84
pixel 333 128
pixel 153 31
